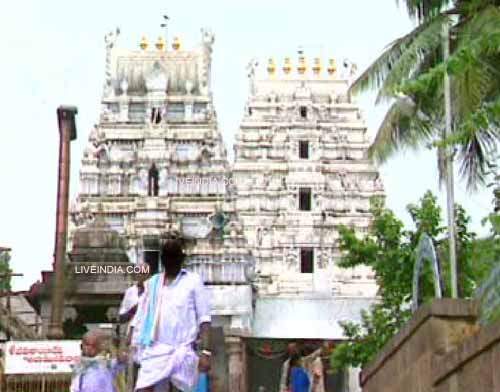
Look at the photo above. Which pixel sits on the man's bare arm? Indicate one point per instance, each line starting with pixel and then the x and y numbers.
pixel 129 336
pixel 205 336
pixel 204 362
pixel 125 318
pixel 309 359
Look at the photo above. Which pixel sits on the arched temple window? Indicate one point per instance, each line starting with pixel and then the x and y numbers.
pixel 153 187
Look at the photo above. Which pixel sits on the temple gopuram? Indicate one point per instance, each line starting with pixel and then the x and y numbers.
pixel 155 166
pixel 262 231
pixel 301 170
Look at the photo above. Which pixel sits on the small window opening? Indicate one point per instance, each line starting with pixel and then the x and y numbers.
pixel 305 199
pixel 303 112
pixel 306 261
pixel 153 186
pixel 304 149
pixel 156 115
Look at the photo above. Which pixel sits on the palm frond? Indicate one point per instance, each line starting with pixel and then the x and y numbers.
pixel 422 10
pixel 470 87
pixel 479 140
pixel 402 127
pixel 476 91
pixel 480 21
pixel 474 64
pixel 473 157
pixel 374 76
pixel 417 52
pixel 427 89
pixel 412 65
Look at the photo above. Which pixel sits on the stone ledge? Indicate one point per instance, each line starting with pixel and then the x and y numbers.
pixel 441 308
pixel 448 363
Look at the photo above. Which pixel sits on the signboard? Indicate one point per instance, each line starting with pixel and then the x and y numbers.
pixel 41 356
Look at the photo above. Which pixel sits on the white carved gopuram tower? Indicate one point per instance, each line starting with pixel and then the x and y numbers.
pixel 301 170
pixel 155 164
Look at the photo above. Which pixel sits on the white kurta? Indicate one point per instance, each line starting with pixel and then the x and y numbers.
pixel 184 306
pixel 131 299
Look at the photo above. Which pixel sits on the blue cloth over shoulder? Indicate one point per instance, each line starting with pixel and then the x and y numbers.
pixel 148 329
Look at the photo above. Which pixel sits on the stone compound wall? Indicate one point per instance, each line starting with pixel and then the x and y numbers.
pixel 441 349
pixel 473 366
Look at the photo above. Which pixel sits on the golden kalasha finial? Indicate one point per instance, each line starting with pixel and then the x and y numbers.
pixel 160 44
pixel 144 43
pixel 317 65
pixel 302 67
pixel 287 67
pixel 271 66
pixel 176 44
pixel 332 66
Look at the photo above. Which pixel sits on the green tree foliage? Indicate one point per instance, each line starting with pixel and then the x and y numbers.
pixel 486 256
pixel 410 73
pixel 487 250
pixel 4 269
pixel 389 250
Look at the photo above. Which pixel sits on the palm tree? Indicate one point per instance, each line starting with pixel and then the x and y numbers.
pixel 410 73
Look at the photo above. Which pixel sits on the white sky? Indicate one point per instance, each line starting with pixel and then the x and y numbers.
pixel 53 54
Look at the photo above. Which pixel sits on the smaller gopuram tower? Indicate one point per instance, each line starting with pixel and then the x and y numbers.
pixel 301 170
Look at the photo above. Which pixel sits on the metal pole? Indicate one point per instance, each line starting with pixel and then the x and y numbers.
pixel 67 132
pixel 450 197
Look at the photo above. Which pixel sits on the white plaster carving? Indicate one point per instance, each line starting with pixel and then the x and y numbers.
pixel 157 81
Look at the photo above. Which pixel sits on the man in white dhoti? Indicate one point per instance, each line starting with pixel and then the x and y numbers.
pixel 172 312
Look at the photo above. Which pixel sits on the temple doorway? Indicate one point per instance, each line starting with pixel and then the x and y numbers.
pixel 265 358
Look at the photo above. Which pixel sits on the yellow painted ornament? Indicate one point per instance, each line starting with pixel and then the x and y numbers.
pixel 287 67
pixel 271 66
pixel 302 67
pixel 332 66
pixel 317 66
pixel 144 43
pixel 160 44
pixel 176 44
